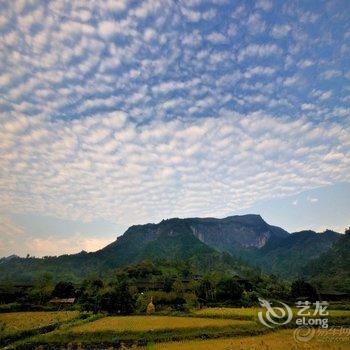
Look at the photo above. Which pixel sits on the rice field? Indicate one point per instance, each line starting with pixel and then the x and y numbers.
pixel 20 321
pixel 282 340
pixel 251 313
pixel 226 312
pixel 153 323
pixel 211 328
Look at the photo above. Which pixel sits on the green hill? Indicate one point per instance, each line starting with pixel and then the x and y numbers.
pixel 331 270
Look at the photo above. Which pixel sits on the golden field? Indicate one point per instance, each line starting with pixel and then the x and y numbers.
pixel 148 323
pixel 206 329
pixel 227 312
pixel 19 321
pixel 282 340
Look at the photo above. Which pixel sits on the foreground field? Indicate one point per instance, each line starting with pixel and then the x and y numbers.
pixel 336 317
pixel 282 340
pixel 20 325
pixel 227 312
pixel 20 321
pixel 153 323
pixel 139 330
pixel 215 328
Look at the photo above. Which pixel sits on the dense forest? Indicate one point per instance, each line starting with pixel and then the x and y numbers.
pixel 170 285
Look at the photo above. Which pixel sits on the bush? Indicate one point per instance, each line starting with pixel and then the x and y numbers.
pixel 64 290
pixel 302 289
pixel 117 299
pixel 229 291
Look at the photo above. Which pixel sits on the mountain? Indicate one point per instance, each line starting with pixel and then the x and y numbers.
pixel 331 270
pixel 206 244
pixel 288 256
pixel 172 239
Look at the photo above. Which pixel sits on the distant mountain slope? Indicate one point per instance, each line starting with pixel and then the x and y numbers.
pixel 208 244
pixel 331 270
pixel 172 239
pixel 288 256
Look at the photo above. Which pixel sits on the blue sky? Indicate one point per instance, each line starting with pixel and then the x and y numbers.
pixel 114 113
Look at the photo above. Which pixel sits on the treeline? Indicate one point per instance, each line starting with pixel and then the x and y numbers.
pixel 170 285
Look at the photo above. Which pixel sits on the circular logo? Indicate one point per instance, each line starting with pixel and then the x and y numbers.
pixel 274 316
pixel 303 334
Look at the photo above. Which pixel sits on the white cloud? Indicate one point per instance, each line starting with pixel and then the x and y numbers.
pixel 305 63
pixel 312 199
pixel 331 73
pixel 231 30
pixel 53 245
pixel 265 5
pixel 259 70
pixel 130 113
pixel 289 81
pixel 109 29
pixel 102 175
pixel 308 106
pixel 256 50
pixel 255 24
pixel 216 37
pixel 196 16
pixel 149 34
pixel 280 31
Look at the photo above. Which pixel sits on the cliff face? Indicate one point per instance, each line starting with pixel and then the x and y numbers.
pixel 235 232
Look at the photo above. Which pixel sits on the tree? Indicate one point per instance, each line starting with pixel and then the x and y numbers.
pixel 205 290
pixel 229 291
pixel 42 290
pixel 167 284
pixel 178 286
pixel 302 289
pixel 117 299
pixel 64 290
pixel 90 295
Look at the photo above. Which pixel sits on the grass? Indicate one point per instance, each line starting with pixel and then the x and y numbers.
pixel 112 331
pixel 272 341
pixel 19 325
pixel 336 317
pixel 230 313
pixel 216 328
pixel 19 321
pixel 152 323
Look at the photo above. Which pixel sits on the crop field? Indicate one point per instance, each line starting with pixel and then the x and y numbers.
pixel 20 325
pixel 152 323
pixel 20 321
pixel 216 328
pixel 272 341
pixel 336 317
pixel 226 312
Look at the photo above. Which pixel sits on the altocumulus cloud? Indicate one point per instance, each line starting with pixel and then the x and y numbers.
pixel 132 112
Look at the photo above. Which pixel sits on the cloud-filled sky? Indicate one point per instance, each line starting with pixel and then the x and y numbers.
pixel 115 112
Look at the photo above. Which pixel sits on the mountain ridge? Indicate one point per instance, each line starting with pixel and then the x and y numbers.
pixel 234 244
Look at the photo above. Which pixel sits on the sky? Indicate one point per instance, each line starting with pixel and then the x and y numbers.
pixel 114 113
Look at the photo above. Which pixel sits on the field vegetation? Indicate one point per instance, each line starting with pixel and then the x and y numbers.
pixel 210 328
pixel 17 325
pixel 152 323
pixel 282 340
